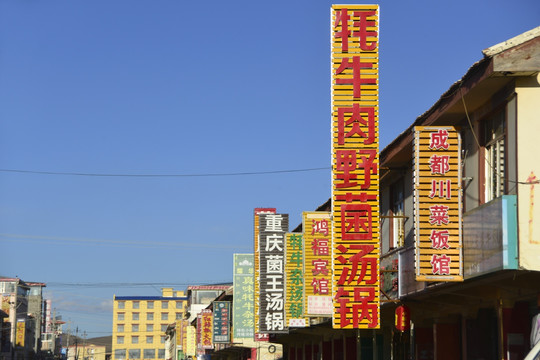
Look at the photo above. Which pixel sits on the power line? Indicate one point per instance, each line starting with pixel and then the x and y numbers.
pixel 163 175
pixel 131 243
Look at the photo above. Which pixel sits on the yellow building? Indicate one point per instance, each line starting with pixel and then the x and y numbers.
pixel 140 322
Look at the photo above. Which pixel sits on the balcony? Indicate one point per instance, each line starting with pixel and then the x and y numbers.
pixel 490 244
pixel 490 241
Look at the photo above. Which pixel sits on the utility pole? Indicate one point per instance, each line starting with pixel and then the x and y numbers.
pixel 76 343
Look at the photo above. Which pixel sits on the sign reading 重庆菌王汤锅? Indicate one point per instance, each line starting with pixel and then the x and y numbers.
pixel 272 229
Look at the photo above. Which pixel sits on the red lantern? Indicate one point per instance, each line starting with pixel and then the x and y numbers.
pixel 403 318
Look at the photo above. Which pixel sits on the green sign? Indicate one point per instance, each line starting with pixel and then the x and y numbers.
pixel 243 301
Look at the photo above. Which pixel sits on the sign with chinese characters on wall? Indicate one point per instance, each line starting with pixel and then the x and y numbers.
pixel 243 301
pixel 355 163
pixel 21 333
pixel 191 341
pixel 437 204
pixel 181 326
pixel 222 315
pixel 256 296
pixel 294 268
pixel 318 263
pixel 206 329
pixel 272 229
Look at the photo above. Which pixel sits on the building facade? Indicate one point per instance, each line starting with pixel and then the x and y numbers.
pixel 22 302
pixel 477 300
pixel 140 323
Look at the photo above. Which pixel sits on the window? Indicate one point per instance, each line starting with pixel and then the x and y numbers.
pixel 163 339
pixel 136 304
pixel 119 339
pixel 150 305
pixel 134 340
pixel 179 305
pixel 149 327
pixel 161 353
pixel 135 353
pixel 397 228
pixel 135 328
pixel 163 327
pixel 120 316
pixel 120 328
pixel 135 316
pixel 149 353
pixel 179 316
pixel 164 304
pixel 120 354
pixel 164 316
pixel 149 316
pixel 494 144
pixel 122 305
pixel 149 339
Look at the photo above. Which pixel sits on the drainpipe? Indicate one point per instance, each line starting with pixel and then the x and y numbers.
pixel 500 328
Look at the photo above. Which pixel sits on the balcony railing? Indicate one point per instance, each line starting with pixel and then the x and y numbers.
pixel 490 240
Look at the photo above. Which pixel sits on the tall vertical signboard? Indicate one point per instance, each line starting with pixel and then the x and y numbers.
pixel 317 227
pixel 437 204
pixel 272 229
pixel 243 301
pixel 206 329
pixel 221 322
pixel 256 296
pixel 355 163
pixel 294 268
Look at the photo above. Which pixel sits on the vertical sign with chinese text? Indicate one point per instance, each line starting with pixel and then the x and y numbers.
pixel 437 203
pixel 294 269
pixel 222 313
pixel 21 333
pixel 243 301
pixel 272 229
pixel 206 331
pixel 191 341
pixel 355 163
pixel 318 262
pixel 256 296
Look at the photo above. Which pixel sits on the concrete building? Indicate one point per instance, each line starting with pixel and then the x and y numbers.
pixel 140 323
pixel 86 352
pixel 23 303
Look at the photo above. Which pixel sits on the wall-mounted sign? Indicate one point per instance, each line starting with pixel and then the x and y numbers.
pixel 294 269
pixel 355 163
pixel 437 204
pixel 256 296
pixel 221 322
pixel 272 229
pixel 317 228
pixel 243 301
pixel 206 330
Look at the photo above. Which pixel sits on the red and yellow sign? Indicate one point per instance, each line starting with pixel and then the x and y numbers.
pixel 21 333
pixel 355 163
pixel 318 262
pixel 206 329
pixel 437 204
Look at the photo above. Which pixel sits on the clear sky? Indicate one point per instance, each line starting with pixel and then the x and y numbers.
pixel 172 87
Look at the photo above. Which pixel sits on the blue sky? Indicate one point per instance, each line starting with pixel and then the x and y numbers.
pixel 172 87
